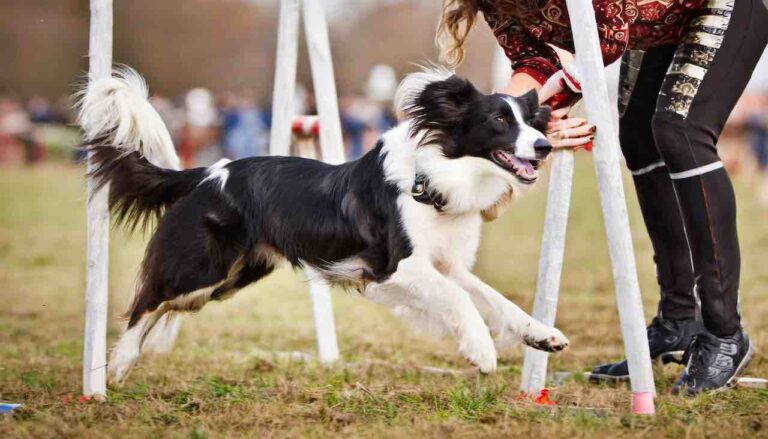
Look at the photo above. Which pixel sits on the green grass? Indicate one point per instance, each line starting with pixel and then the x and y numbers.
pixel 222 381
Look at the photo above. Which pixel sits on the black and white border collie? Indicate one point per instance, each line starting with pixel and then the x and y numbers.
pixel 364 224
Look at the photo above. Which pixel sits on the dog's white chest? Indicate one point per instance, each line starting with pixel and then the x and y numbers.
pixel 445 239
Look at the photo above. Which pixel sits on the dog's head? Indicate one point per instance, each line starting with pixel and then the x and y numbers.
pixel 448 111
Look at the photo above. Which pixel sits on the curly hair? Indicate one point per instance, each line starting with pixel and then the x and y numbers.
pixel 456 21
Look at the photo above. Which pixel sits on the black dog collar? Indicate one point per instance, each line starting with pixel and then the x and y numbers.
pixel 422 193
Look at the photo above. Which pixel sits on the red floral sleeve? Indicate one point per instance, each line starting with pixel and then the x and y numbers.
pixel 527 55
pixel 614 18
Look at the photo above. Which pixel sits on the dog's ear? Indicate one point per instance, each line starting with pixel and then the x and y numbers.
pixel 537 115
pixel 440 106
pixel 541 118
pixel 530 100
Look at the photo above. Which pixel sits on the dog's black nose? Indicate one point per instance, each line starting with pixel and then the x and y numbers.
pixel 542 147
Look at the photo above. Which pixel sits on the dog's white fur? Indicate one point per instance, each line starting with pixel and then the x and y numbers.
pixel 218 171
pixel 434 285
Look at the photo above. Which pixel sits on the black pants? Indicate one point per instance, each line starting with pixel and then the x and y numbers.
pixel 673 102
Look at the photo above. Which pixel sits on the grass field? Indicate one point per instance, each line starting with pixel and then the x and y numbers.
pixel 219 382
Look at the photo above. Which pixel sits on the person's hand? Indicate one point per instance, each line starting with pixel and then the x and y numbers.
pixel 565 132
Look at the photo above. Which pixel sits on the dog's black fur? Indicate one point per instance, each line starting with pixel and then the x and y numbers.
pixel 307 211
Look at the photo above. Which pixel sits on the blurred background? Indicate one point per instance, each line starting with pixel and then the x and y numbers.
pixel 210 66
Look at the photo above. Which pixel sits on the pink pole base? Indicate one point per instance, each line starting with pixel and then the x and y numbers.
pixel 642 403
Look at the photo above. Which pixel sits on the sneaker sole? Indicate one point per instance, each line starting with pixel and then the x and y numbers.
pixel 664 358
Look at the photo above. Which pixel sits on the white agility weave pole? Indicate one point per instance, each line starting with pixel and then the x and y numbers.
pixel 97 210
pixel 501 70
pixel 607 166
pixel 284 92
pixel 319 47
pixel 550 265
pixel 332 148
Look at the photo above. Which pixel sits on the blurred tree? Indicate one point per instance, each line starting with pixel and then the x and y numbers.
pixel 42 45
pixel 222 45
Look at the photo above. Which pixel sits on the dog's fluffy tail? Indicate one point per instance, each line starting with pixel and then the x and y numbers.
pixel 131 149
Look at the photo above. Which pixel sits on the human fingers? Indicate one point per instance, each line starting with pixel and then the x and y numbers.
pixel 573 132
pixel 573 142
pixel 555 125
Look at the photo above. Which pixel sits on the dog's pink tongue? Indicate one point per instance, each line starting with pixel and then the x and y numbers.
pixel 523 166
pixel 528 167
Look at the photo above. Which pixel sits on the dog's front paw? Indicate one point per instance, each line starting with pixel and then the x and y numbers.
pixel 549 339
pixel 479 350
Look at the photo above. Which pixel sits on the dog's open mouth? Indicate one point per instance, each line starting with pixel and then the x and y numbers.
pixel 524 170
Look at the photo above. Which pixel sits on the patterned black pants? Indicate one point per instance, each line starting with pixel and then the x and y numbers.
pixel 673 102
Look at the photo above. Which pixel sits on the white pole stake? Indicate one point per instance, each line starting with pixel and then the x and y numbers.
pixel 97 258
pixel 550 265
pixel 332 150
pixel 331 144
pixel 316 30
pixel 322 309
pixel 607 165
pixel 284 92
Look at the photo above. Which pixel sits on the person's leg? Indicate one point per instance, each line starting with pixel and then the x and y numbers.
pixel 708 74
pixel 642 74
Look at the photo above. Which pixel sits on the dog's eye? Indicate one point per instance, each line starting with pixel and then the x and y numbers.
pixel 501 119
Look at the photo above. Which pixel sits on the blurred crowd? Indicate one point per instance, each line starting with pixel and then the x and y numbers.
pixel 23 126
pixel 205 126
pixel 751 116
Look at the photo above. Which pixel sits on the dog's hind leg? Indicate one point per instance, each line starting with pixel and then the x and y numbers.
pixel 126 353
pixel 162 337
pixel 508 323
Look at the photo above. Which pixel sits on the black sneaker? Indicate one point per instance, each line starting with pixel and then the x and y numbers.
pixel 714 362
pixel 667 340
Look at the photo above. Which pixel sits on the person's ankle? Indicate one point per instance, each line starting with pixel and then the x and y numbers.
pixel 725 333
pixel 676 317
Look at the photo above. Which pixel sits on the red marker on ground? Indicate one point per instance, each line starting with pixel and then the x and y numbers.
pixel 543 398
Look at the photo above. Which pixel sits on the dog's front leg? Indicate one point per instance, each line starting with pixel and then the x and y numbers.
pixel 419 287
pixel 507 322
